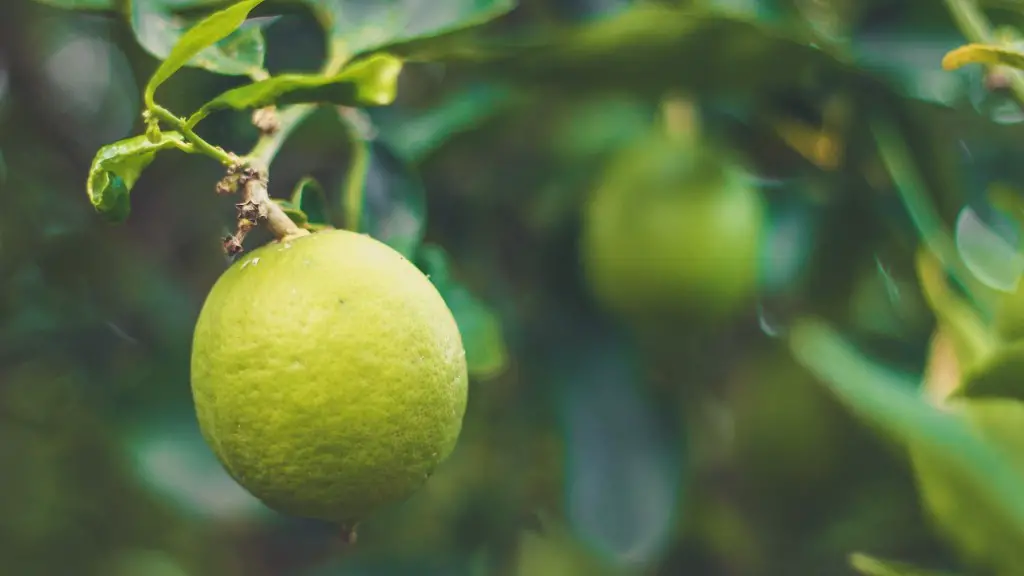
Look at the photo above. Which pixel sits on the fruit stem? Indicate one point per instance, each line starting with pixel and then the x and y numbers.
pixel 255 193
pixel 256 205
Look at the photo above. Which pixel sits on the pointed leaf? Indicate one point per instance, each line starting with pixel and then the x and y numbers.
pixel 309 199
pixel 486 354
pixel 433 261
pixel 870 566
pixel 983 54
pixel 158 30
pixel 297 216
pixel 624 461
pixel 959 472
pixel 357 27
pixel 207 32
pixel 116 167
pixel 171 459
pixel 370 82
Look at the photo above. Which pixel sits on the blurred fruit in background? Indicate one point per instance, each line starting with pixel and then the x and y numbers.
pixel 673 226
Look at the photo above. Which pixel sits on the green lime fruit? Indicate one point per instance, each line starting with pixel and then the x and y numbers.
pixel 673 228
pixel 329 376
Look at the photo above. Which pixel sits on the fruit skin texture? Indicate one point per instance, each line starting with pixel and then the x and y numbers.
pixel 329 377
pixel 672 228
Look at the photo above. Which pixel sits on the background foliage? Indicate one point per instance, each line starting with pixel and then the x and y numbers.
pixel 855 410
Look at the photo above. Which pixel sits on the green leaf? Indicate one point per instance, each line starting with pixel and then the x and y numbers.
pixel 999 376
pixel 647 48
pixel 910 60
pixel 870 566
pixel 415 136
pixel 486 356
pixel 393 201
pixel 158 30
pixel 983 54
pixel 309 199
pixel 209 31
pixel 116 167
pixel 972 341
pixel 369 82
pixel 486 353
pixel 297 216
pixel 899 161
pixel 985 537
pixel 357 27
pixel 961 474
pixel 101 5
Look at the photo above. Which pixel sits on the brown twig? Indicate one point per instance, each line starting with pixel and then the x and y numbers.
pixel 255 207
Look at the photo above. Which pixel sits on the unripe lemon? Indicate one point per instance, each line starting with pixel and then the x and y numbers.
pixel 672 228
pixel 329 376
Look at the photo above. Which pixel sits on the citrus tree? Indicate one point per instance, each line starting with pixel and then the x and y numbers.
pixel 831 183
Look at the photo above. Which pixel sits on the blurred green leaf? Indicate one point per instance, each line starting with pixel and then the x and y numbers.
pixel 158 30
pixel 624 474
pixel 958 471
pixel 486 353
pixel 415 136
pixel 357 27
pixel 297 216
pixel 649 49
pixel 910 60
pixel 171 459
pixel 985 537
pixel 983 54
pixel 870 566
pixel 207 32
pixel 393 204
pixel 973 343
pixel 104 5
pixel 913 189
pixel 310 200
pixel 116 167
pixel 369 82
pixel 999 376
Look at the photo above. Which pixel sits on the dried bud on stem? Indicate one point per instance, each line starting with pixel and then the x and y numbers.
pixel 266 120
pixel 256 207
pixel 348 536
pixel 232 245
